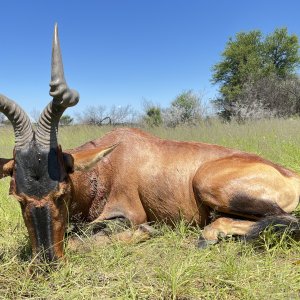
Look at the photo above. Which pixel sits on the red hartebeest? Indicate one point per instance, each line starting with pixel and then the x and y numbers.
pixel 133 176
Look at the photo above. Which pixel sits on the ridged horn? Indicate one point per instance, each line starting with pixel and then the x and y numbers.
pixel 20 121
pixel 63 97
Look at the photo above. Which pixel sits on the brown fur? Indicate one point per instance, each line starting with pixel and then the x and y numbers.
pixel 6 166
pixel 147 179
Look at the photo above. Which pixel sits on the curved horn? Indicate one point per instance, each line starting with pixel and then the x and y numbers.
pixel 19 119
pixel 63 97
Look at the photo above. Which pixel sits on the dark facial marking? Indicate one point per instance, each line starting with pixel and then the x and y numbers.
pixel 37 171
pixel 246 205
pixel 41 219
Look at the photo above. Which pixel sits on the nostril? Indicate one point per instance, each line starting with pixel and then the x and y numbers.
pixel 36 177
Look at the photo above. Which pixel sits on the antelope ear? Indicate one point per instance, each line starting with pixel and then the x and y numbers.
pixel 68 162
pixel 87 159
pixel 6 167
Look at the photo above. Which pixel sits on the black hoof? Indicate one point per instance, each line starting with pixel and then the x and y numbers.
pixel 149 229
pixel 203 243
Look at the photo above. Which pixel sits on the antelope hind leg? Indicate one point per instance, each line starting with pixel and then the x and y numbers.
pixel 221 228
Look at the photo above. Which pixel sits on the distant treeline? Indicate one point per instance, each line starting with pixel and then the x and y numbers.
pixel 256 76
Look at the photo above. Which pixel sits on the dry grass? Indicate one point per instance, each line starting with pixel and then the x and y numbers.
pixel 168 266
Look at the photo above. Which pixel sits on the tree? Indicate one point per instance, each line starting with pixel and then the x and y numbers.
pixel 98 115
pixel 187 108
pixel 93 115
pixel 65 120
pixel 250 56
pixel 121 114
pixel 281 53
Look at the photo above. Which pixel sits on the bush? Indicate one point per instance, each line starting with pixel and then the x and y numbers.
pixel 153 116
pixel 267 97
pixel 187 108
pixel 65 120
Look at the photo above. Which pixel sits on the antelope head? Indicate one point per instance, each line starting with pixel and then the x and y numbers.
pixel 39 169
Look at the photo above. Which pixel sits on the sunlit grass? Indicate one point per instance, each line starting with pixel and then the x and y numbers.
pixel 168 266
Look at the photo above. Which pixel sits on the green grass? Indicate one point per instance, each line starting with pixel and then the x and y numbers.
pixel 168 266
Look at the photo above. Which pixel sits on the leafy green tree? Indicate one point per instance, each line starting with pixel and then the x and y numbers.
pixel 65 120
pixel 281 53
pixel 251 55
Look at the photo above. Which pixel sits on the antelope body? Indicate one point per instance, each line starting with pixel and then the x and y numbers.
pixel 133 176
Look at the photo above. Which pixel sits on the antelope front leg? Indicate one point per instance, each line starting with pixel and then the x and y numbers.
pixel 99 232
pixel 123 219
pixel 109 226
pixel 130 235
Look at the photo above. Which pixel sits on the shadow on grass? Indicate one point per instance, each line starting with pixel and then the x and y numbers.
pixel 24 252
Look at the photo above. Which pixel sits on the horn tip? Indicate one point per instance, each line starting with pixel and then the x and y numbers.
pixel 55 35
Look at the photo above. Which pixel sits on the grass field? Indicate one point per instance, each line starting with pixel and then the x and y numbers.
pixel 168 266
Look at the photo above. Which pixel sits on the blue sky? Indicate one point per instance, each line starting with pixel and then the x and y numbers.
pixel 122 52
